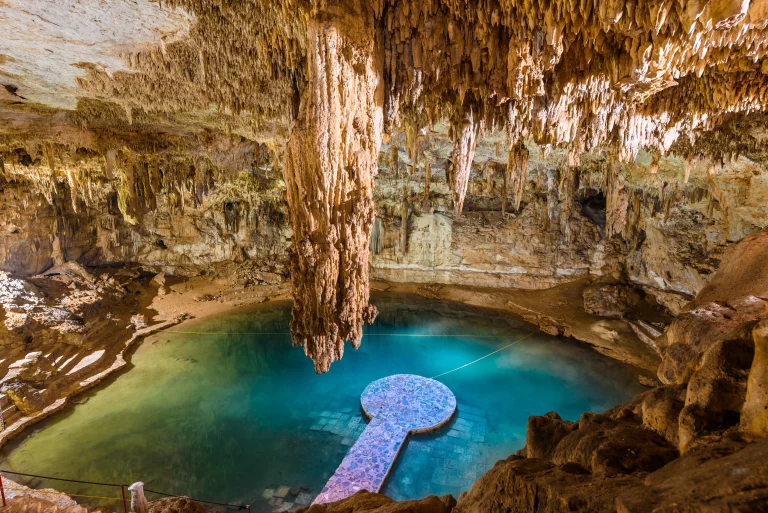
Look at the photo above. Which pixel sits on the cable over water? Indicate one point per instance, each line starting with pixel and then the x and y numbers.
pixel 378 335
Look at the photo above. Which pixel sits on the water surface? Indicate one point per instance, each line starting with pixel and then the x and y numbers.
pixel 233 412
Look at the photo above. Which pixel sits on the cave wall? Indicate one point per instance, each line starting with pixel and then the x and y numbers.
pixel 180 212
pixel 172 212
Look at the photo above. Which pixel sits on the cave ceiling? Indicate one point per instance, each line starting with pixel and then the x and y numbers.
pixel 322 88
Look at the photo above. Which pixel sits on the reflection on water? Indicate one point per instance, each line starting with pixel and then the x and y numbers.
pixel 242 418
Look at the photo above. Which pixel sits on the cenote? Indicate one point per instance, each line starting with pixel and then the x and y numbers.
pixel 229 411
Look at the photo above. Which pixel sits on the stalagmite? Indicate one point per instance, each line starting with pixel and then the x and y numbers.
pixel 427 179
pixel 331 159
pixel 463 154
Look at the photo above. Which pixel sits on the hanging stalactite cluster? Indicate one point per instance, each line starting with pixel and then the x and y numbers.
pixel 331 160
pixel 323 80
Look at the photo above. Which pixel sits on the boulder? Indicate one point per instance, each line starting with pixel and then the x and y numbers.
pixel 544 433
pixel 611 447
pixel 716 392
pixel 158 280
pixel 731 476
pixel 26 398
pixel 520 484
pixel 660 410
pixel 727 308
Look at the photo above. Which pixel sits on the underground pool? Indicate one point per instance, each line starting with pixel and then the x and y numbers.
pixel 227 410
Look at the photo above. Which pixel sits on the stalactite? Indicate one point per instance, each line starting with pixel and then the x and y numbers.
pixel 569 183
pixel 394 160
pixel 504 193
pixel 404 209
pixel 377 236
pixel 427 179
pixel 465 142
pixel 617 201
pixel 517 171
pixel 330 161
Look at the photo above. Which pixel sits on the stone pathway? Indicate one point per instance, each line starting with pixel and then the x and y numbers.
pixel 397 405
pixel 451 459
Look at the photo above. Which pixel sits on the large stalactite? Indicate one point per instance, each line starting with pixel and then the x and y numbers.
pixel 465 142
pixel 330 162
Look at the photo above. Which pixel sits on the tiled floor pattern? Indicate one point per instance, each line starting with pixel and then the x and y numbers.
pixel 443 452
pixel 454 459
pixel 398 405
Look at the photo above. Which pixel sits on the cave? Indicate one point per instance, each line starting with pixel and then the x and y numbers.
pixel 347 256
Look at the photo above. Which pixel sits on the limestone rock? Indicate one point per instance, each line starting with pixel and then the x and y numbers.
pixel 158 280
pixel 725 310
pixel 367 502
pixel 176 505
pixel 609 299
pixel 527 485
pixel 330 163
pixel 754 414
pixel 604 445
pixel 661 411
pixel 27 399
pixel 543 434
pixel 716 391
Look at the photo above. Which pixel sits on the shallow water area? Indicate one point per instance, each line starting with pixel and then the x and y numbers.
pixel 229 411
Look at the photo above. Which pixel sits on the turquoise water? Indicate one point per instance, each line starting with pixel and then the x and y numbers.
pixel 232 416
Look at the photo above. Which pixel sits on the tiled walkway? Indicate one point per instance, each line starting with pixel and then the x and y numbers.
pixel 397 405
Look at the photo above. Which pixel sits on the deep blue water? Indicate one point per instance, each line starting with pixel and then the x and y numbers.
pixel 232 416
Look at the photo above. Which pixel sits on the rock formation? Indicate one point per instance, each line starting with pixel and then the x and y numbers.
pixel 330 162
pixel 617 145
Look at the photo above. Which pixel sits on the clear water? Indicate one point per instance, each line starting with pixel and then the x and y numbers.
pixel 232 416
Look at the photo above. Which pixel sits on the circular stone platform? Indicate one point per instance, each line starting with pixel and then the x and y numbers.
pixel 397 406
pixel 416 403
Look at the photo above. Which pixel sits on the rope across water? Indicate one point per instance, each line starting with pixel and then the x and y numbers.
pixel 378 335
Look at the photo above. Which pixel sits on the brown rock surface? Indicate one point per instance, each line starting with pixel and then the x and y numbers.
pixel 633 139
pixel 176 505
pixel 754 414
pixel 329 167
pixel 366 502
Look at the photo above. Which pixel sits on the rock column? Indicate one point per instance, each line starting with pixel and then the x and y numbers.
pixel 331 160
pixel 464 145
